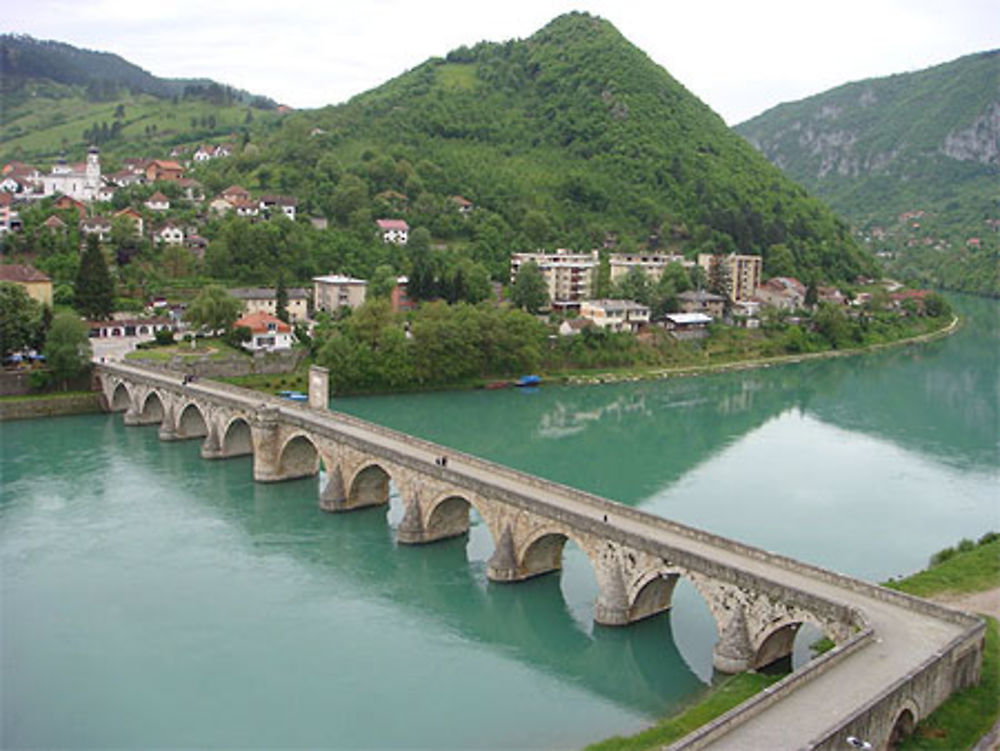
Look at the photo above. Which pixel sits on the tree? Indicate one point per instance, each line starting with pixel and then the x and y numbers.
pixel 719 282
pixel 281 298
pixel 383 282
pixel 95 289
pixel 19 316
pixel 67 349
pixel 936 305
pixel 635 286
pixel 530 290
pixel 213 309
pixel 812 295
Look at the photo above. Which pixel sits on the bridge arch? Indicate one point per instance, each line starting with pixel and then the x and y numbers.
pixel 777 640
pixel 121 398
pixel 236 437
pixel 449 516
pixel 191 422
pixel 653 594
pixel 299 457
pixel 152 409
pixel 907 716
pixel 368 487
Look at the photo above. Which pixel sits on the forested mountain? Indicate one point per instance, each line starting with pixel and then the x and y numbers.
pixel 104 76
pixel 912 159
pixel 572 137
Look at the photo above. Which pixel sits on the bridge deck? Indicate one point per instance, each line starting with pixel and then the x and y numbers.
pixel 905 637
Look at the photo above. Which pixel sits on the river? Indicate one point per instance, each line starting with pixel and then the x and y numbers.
pixel 149 598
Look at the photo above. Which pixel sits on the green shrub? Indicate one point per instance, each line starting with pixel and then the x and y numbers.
pixel 942 555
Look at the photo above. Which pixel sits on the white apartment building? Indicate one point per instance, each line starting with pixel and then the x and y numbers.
pixel 569 275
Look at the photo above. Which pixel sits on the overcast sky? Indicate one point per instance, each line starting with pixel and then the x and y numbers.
pixel 738 56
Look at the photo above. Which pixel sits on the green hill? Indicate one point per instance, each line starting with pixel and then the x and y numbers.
pixel 53 97
pixel 913 160
pixel 572 137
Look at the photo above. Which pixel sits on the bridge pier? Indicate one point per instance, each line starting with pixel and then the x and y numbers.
pixel 266 450
pixel 733 653
pixel 134 418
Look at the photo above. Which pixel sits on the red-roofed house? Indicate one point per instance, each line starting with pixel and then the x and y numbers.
pixel 132 215
pixel 783 293
pixel 267 333
pixel 393 230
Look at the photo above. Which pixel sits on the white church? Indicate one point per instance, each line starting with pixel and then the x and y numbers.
pixel 79 181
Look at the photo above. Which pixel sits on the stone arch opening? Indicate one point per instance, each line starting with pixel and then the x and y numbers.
pixel 449 518
pixel 654 596
pixel 369 487
pixel 543 554
pixel 299 458
pixel 901 728
pixel 191 423
pixel 694 627
pixel 120 398
pixel 152 408
pixel 237 439
pixel 775 653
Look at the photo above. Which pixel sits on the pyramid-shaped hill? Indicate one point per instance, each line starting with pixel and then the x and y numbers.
pixel 568 138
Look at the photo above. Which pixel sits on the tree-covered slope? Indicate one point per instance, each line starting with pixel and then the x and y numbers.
pixel 913 160
pixel 54 97
pixel 571 137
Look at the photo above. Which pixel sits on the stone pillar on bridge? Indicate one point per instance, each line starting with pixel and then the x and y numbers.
pixel 319 387
pixel 612 608
pixel 333 496
pixel 168 430
pixel 502 566
pixel 266 447
pixel 733 653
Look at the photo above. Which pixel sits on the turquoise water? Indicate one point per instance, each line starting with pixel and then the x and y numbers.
pixel 149 598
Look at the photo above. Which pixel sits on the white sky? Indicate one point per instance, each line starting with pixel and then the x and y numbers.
pixel 741 57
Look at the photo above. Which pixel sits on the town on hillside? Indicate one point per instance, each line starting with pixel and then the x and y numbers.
pixel 157 208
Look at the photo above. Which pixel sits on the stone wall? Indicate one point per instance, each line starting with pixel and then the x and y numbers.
pixel 50 406
pixel 260 363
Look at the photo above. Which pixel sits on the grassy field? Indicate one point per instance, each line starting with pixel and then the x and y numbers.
pixel 44 127
pixel 213 349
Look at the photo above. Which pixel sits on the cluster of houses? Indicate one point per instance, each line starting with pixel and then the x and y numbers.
pixel 78 186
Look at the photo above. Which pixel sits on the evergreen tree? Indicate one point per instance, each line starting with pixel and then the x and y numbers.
pixel 281 298
pixel 95 289
pixel 719 282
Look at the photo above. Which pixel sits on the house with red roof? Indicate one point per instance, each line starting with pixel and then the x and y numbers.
pixel 393 230
pixel 162 169
pixel 158 202
pixel 267 332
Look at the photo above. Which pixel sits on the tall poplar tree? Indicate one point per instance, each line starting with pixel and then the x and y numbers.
pixel 95 289
pixel 281 298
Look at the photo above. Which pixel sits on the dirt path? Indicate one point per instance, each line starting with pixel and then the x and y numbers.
pixel 987 602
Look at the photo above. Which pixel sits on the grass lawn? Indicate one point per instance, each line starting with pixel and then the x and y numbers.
pixel 214 349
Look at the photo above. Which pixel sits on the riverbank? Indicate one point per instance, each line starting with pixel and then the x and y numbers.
pixel 49 405
pixel 617 376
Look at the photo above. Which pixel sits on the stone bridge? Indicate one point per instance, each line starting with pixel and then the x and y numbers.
pixel 896 657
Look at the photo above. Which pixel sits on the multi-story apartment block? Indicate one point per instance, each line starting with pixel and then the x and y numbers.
pixel 569 275
pixel 652 263
pixel 744 274
pixel 334 291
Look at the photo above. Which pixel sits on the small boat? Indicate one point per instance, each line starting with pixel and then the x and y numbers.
pixel 493 385
pixel 295 396
pixel 528 380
